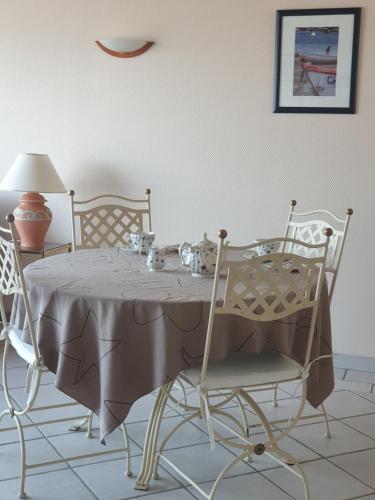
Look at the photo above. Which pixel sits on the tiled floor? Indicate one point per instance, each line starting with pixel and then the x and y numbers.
pixel 340 468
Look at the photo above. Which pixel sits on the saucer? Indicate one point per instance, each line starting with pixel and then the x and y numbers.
pixel 129 248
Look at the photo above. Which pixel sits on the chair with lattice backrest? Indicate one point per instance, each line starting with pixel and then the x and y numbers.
pixel 262 289
pixel 108 220
pixel 309 227
pixel 24 342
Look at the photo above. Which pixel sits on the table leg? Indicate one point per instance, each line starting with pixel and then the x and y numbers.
pixel 151 439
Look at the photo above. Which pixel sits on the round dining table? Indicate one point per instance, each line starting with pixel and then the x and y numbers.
pixel 112 331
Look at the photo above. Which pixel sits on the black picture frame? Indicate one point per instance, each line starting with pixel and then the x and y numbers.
pixel 278 106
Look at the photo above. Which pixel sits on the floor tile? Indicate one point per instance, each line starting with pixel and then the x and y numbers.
pixel 203 464
pixel 13 360
pixel 362 363
pixel 192 400
pixel 107 480
pixel 248 487
pixel 11 436
pixel 325 480
pixel 234 412
pixel 64 484
pixel 181 494
pixel 76 443
pixel 360 465
pixel 369 397
pixel 267 396
pixel 339 373
pixel 186 435
pixel 48 394
pixel 347 404
pixel 17 377
pixel 141 410
pixel 288 387
pixel 343 440
pixel 346 385
pixel 286 409
pixel 37 450
pixel 364 423
pixel 359 376
pixel 54 413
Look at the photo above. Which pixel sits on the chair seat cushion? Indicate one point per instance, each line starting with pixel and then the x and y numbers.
pixel 243 369
pixel 24 350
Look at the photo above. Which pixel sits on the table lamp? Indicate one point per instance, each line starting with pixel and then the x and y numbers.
pixel 33 174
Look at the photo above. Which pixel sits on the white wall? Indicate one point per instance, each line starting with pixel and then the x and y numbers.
pixel 192 119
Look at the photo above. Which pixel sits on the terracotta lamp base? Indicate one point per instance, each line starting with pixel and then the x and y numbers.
pixel 32 219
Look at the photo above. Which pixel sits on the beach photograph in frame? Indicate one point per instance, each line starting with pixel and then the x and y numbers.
pixel 316 60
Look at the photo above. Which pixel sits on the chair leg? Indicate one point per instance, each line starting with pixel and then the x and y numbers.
pixel 275 404
pixel 148 461
pixel 128 471
pixel 167 438
pixel 89 425
pixel 243 415
pixel 326 423
pixel 289 459
pixel 224 471
pixel 22 493
pixel 79 424
pixel 182 388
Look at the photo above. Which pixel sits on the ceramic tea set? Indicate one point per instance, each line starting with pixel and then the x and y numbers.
pixel 198 257
pixel 142 243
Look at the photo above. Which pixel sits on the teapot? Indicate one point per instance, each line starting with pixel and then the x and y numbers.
pixel 199 257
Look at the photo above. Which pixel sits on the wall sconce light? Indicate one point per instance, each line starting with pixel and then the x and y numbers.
pixel 119 47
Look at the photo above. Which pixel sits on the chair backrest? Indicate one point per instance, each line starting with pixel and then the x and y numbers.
pixel 107 220
pixel 9 273
pixel 310 226
pixel 268 287
pixel 12 280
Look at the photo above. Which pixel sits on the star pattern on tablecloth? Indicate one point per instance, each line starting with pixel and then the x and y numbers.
pixel 118 409
pixel 80 345
pixel 52 312
pixel 188 358
pixel 140 322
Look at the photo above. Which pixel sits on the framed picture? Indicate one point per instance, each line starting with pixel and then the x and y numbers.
pixel 316 60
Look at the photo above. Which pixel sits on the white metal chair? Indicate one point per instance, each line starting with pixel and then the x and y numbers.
pixel 107 220
pixel 261 289
pixel 309 227
pixel 12 282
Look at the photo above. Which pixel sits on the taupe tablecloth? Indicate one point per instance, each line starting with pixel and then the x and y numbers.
pixel 113 331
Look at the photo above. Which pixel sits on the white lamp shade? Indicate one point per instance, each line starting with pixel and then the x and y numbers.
pixel 33 173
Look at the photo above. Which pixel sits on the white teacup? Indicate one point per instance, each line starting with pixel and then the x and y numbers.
pixel 267 248
pixel 156 258
pixel 141 242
